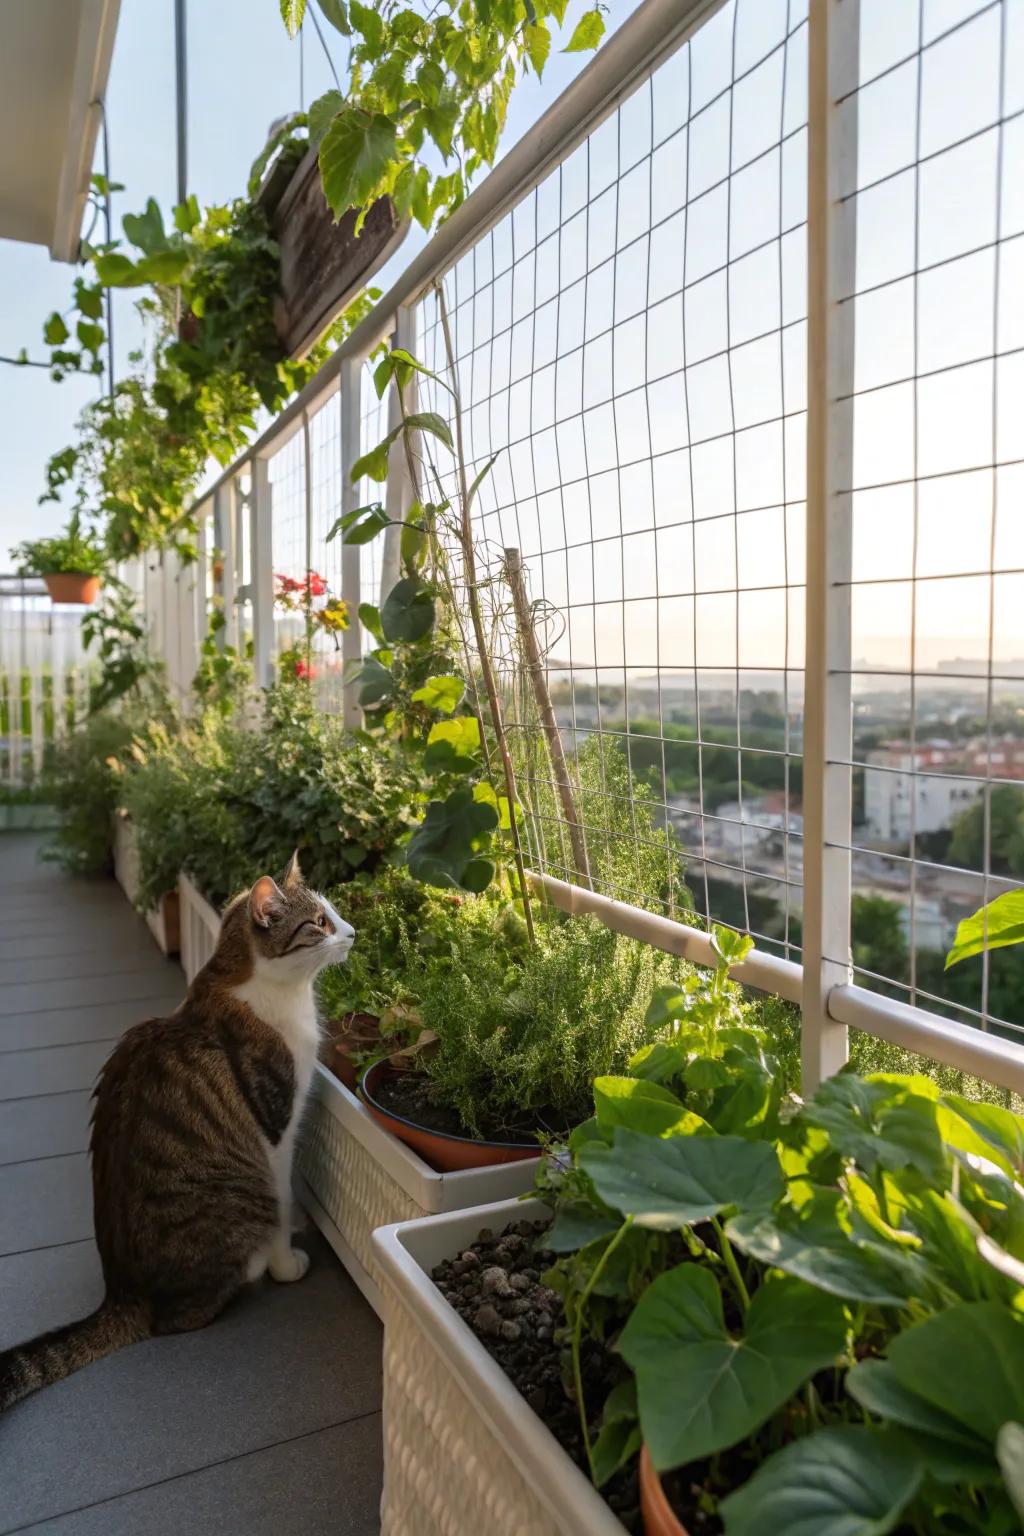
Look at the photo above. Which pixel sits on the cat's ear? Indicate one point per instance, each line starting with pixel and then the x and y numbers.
pixel 265 901
pixel 293 874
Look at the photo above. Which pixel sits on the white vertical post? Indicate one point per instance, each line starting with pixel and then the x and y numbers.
pixel 831 235
pixel 201 588
pixel 350 405
pixel 224 540
pixel 399 490
pixel 261 543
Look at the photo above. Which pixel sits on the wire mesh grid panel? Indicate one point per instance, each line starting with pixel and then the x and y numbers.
pixel 325 492
pixel 631 344
pixel 44 677
pixel 937 591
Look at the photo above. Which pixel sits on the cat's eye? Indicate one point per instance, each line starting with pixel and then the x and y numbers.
pixel 321 921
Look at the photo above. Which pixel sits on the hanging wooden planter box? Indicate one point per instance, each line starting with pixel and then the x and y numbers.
pixel 323 264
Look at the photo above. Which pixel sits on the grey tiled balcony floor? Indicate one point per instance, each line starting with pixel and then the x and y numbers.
pixel 269 1419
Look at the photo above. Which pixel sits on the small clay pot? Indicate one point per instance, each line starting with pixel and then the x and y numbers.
pixel 72 587
pixel 660 1519
pixel 446 1153
pixel 353 1035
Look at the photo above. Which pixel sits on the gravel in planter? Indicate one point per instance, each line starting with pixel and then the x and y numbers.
pixel 496 1287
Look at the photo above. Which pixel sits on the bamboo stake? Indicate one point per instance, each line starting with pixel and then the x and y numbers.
pixel 535 667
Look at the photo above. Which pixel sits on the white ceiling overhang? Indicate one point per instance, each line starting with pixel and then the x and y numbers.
pixel 54 62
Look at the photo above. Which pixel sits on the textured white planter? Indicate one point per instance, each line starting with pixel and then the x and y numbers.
pixel 200 927
pixel 462 1451
pixel 162 920
pixel 354 1176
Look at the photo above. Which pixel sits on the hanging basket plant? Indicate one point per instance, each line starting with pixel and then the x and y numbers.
pixel 71 564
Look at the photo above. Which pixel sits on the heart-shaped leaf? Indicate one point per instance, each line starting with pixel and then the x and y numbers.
pixel 813 1243
pixel 645 1107
pixel 447 846
pixel 408 611
pixel 671 1183
pixel 577 1224
pixel 881 1125
pixel 453 746
pixel 967 1361
pixel 355 152
pixel 443 693
pixel 700 1389
pixel 844 1481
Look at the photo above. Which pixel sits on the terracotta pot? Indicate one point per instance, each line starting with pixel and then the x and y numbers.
pixel 448 1154
pixel 350 1036
pixel 660 1519
pixel 72 587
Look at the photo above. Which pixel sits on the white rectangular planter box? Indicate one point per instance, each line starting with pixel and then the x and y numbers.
pixel 200 928
pixel 462 1451
pixel 354 1176
pixel 162 920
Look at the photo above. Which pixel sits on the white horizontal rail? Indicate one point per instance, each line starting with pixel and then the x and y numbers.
pixel 768 972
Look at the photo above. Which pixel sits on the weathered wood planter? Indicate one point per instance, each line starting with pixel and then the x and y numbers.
pixel 462 1450
pixel 354 1176
pixel 162 920
pixel 323 264
pixel 200 926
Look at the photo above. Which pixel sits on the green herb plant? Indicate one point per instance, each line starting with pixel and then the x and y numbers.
pixel 77 551
pixel 812 1312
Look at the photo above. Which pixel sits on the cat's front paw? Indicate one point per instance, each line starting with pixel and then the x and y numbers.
pixel 289 1265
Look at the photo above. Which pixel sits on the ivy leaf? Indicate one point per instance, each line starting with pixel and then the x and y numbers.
pixel 292 13
pixel 443 693
pixel 453 746
pixel 445 848
pixel 91 336
pixel 538 45
pixel 187 215
pixel 408 611
pixel 994 926
pixel 670 1184
pixel 812 1244
pixel 55 332
pixel 644 1107
pixel 702 1390
pixel 146 229
pixel 89 299
pixel 355 154
pixel 280 135
pixel 323 112
pixel 589 32
pixel 367 21
pixel 163 266
pixel 117 271
pixel 843 1481
pixel 336 12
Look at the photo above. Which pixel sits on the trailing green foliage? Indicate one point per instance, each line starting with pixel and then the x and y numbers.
pixel 114 631
pixel 817 1307
pixel 416 76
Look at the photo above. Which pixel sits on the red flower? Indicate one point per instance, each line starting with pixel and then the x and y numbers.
pixel 304 670
pixel 316 584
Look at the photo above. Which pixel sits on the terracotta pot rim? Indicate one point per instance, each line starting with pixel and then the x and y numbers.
pixel 381 1067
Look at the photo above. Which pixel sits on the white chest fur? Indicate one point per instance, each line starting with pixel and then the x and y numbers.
pixel 290 1008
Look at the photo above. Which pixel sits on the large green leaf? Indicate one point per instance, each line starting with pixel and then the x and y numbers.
pixel 292 12
pixel 1001 1131
pixel 667 1184
pixel 700 1389
pixel 430 421
pixel 576 1225
pixel 645 1107
pixel 146 229
pixel 875 1385
pixel 117 271
pixel 881 1125
pixel 322 113
pixel 408 611
pixel 453 746
pixel 967 1361
pixel 843 1481
pixel 442 693
pixel 816 1244
pixel 336 13
pixel 163 266
pixel 446 848
pixel 994 926
pixel 355 153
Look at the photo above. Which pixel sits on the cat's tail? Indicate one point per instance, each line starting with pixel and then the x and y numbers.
pixel 54 1355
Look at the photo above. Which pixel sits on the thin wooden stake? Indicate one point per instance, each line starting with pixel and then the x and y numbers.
pixel 535 667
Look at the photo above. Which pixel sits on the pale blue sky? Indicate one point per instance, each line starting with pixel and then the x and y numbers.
pixel 243 73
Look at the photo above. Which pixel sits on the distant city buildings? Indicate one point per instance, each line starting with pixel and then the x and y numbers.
pixel 912 792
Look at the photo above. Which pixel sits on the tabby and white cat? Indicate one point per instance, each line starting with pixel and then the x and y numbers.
pixel 193 1129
